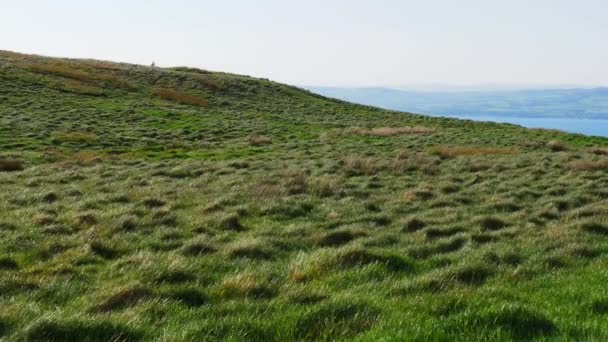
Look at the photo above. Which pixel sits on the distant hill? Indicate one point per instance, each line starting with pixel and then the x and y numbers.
pixel 580 103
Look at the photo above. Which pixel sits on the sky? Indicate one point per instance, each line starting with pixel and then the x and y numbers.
pixel 354 43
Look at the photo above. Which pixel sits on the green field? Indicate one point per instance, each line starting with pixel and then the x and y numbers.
pixel 179 204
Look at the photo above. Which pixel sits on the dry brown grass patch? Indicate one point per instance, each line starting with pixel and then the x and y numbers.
pixel 59 69
pixel 389 131
pixel 601 151
pixel 455 151
pixel 406 161
pixel 354 165
pixel 268 191
pixel 179 97
pixel 259 140
pixel 589 165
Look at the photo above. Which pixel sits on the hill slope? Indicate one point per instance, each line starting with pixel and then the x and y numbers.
pixel 143 203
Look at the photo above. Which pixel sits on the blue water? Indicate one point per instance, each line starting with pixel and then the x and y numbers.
pixel 594 127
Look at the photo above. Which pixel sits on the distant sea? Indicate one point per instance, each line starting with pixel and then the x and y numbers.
pixel 593 127
pixel 583 110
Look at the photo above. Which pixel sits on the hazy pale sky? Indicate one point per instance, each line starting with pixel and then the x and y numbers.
pixel 330 42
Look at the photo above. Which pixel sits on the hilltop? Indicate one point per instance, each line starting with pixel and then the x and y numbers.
pixel 183 204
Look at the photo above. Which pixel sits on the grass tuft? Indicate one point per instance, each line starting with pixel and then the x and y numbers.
pixel 8 263
pixel 126 297
pixel 52 329
pixel 336 321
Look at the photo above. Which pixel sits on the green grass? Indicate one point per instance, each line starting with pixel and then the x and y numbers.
pixel 270 213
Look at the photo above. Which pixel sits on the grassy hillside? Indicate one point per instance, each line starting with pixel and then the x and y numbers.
pixel 179 204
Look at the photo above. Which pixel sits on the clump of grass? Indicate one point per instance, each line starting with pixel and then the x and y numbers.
pixel 356 165
pixel 12 286
pixel 600 307
pixel 76 137
pixel 324 186
pixel 210 82
pixel 339 238
pixel 111 81
pixel 473 274
pixel 197 248
pixel 455 151
pixel 406 161
pixel 188 296
pixel 53 329
pixel 60 69
pixel 492 223
pixel 556 146
pixel 180 97
pixel 259 140
pixel 589 165
pixel 129 223
pixel 413 225
pixel 336 321
pixel 173 276
pixel 268 190
pixel 153 202
pixel 7 227
pixel 389 131
pixel 49 197
pixel 519 322
pixel 358 257
pixel 295 182
pixel 123 298
pixel 231 222
pixel 601 151
pixel 86 219
pixel 84 158
pixel 441 247
pixel 9 165
pixel 245 285
pixel 44 219
pixel 251 249
pixel 81 88
pixel 595 228
pixel 8 263
pixel 104 251
pixel 433 233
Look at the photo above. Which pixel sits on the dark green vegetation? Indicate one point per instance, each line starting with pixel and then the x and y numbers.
pixel 141 203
